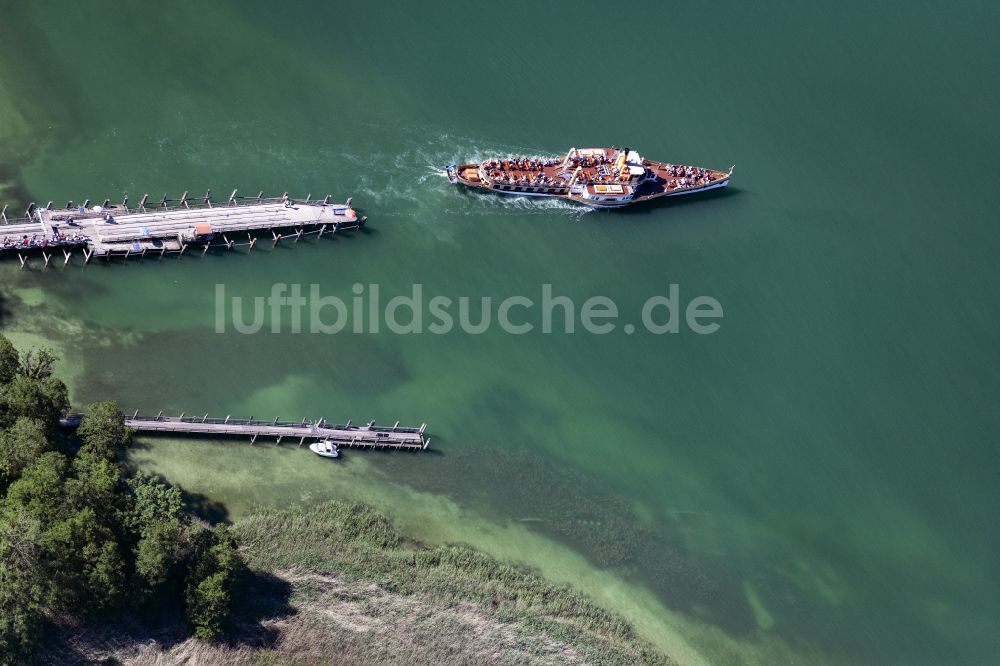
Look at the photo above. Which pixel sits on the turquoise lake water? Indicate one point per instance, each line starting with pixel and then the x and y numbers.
pixel 813 483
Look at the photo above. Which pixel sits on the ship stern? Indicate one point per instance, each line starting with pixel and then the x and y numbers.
pixel 465 174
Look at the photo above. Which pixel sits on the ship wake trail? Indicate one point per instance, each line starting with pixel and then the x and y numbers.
pixel 491 204
pixel 412 181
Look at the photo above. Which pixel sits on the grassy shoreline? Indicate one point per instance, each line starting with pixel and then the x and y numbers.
pixel 338 583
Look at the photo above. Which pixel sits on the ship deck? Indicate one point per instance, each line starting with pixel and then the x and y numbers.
pixel 595 171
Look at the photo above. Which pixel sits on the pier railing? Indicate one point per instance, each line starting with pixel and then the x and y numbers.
pixel 147 205
pixel 276 422
pixel 344 434
pixel 170 225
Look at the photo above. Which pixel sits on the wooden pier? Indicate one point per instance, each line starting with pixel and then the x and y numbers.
pixel 368 436
pixel 168 226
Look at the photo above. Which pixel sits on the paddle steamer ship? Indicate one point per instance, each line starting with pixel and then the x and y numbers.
pixel 597 177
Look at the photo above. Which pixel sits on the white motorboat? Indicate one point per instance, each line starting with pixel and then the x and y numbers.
pixel 325 448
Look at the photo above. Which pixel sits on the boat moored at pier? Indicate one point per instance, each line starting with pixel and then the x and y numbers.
pixel 596 177
pixel 325 448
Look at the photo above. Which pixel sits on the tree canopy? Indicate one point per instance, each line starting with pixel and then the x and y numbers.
pixel 79 537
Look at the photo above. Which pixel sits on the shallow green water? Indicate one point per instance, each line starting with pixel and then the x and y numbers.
pixel 814 482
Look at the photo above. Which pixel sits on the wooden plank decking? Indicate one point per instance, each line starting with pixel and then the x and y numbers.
pixel 169 225
pixel 344 435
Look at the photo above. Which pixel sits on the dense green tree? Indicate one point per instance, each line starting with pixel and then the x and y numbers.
pixel 103 430
pixel 56 396
pixel 159 552
pixel 45 399
pixel 27 387
pixel 154 516
pixel 94 484
pixel 76 537
pixel 89 577
pixel 10 362
pixel 215 568
pixel 22 582
pixel 20 446
pixel 209 605
pixel 39 491
pixel 151 502
pixel 37 364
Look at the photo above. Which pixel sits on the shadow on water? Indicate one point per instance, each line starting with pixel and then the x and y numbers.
pixel 199 505
pixel 13 192
pixel 641 208
pixel 666 203
pixel 205 508
pixel 6 311
pixel 368 231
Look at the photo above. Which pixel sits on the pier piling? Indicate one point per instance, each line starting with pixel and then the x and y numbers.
pixel 367 436
pixel 167 226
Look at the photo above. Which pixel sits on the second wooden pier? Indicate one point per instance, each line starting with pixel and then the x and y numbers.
pixel 368 436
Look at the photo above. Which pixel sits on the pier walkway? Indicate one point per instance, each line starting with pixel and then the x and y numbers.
pixel 168 226
pixel 368 436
